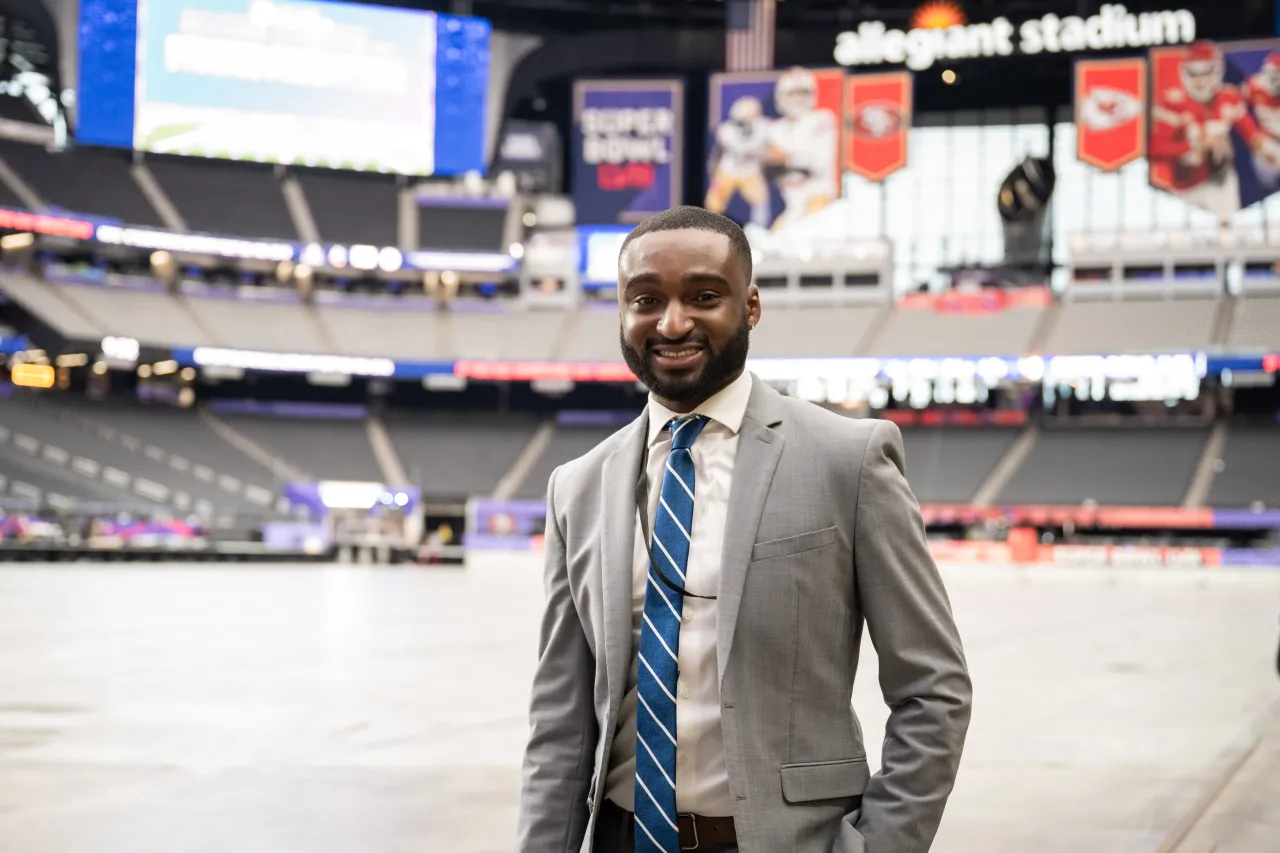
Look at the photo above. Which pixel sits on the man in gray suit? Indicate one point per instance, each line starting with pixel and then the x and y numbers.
pixel 694 684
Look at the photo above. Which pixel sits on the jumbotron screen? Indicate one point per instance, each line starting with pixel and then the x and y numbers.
pixel 337 85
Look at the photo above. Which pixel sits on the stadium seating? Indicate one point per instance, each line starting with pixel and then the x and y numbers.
pixel 225 198
pixel 36 481
pixel 569 442
pixel 1121 467
pixel 810 331
pixel 351 208
pixel 148 470
pixel 285 326
pixel 928 333
pixel 151 317
pixel 456 455
pixel 1257 323
pixel 337 449
pixel 590 334
pixel 182 432
pixel 393 327
pixel 46 303
pixel 81 180
pixel 1250 468
pixel 949 465
pixel 1137 326
pixel 497 334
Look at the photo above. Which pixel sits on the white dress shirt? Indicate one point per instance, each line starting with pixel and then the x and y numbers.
pixel 702 779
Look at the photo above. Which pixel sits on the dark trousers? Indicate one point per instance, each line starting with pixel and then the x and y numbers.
pixel 616 832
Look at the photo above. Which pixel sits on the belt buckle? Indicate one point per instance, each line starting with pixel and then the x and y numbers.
pixel 693 821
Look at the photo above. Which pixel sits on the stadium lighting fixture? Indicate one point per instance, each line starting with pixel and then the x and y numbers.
pixel 164 368
pixel 17 242
pixel 32 375
pixel 121 349
pixel 188 373
pixel 337 494
pixel 949 77
pixel 390 259
pixel 77 359
pixel 449 278
pixel 516 250
pixel 144 371
pixel 530 219
pixel 363 257
pixel 99 368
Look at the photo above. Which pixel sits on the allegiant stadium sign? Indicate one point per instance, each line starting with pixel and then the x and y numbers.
pixel 1114 27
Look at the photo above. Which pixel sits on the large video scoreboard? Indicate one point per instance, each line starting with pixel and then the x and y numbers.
pixel 302 82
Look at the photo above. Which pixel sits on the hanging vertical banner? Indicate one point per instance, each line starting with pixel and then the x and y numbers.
pixel 1111 112
pixel 628 148
pixel 877 110
pixel 773 145
pixel 1215 123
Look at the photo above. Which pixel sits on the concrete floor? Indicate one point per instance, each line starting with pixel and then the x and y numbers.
pixel 191 709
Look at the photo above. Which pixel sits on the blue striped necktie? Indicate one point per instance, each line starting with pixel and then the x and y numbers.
pixel 655 794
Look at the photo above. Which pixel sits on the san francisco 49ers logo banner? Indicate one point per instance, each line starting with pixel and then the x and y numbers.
pixel 1111 112
pixel 877 109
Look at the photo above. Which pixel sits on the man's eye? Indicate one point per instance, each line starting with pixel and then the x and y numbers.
pixel 709 296
pixel 645 301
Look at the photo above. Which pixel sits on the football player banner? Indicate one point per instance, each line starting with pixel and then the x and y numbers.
pixel 878 110
pixel 774 145
pixel 628 149
pixel 1111 112
pixel 1215 123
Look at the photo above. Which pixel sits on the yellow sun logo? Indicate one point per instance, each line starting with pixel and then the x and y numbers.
pixel 938 15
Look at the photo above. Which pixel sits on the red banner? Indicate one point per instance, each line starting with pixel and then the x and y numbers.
pixel 1111 111
pixel 877 109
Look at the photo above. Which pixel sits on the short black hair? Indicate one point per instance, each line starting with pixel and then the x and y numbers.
pixel 698 218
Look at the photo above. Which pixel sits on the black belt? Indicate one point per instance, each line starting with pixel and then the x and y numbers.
pixel 696 832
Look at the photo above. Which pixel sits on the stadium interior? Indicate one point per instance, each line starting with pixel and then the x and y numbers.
pixel 254 356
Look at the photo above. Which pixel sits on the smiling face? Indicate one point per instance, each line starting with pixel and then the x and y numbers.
pixel 687 309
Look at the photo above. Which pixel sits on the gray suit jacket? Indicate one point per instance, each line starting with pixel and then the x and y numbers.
pixel 823 534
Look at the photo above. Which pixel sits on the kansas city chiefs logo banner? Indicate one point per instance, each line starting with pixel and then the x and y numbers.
pixel 1111 112
pixel 877 110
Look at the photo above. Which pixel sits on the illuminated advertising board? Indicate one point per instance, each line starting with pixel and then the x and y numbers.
pixel 339 85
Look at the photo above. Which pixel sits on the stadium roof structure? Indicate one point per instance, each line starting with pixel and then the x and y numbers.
pixel 566 17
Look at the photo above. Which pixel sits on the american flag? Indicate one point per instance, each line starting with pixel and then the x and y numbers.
pixel 748 40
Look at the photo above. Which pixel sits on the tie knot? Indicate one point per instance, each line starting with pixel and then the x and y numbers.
pixel 685 431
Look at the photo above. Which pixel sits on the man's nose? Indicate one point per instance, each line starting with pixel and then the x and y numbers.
pixel 675 322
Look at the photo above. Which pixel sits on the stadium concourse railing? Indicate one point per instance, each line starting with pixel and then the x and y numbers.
pixel 337 257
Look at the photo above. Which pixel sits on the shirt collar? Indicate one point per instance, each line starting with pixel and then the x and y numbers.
pixel 727 407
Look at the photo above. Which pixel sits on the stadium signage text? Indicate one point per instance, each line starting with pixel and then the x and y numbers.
pixel 626 135
pixel 1114 27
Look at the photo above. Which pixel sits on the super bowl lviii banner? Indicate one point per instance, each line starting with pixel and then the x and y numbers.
pixel 1111 112
pixel 878 109
pixel 774 145
pixel 628 146
pixel 1215 123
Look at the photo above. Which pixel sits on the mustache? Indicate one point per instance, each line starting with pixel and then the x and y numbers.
pixel 693 338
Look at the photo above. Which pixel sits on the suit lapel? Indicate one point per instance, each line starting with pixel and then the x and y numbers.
pixel 618 478
pixel 759 448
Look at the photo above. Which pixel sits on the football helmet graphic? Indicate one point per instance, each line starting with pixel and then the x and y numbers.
pixel 746 110
pixel 1268 77
pixel 1202 71
pixel 796 92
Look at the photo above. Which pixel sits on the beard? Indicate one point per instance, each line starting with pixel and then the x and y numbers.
pixel 721 367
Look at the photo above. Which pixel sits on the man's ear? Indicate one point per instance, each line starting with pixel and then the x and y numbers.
pixel 753 305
